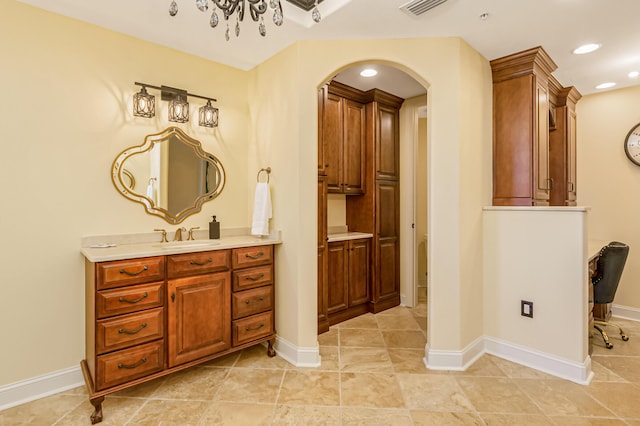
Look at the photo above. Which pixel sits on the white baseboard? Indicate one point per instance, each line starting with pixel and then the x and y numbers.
pixel 625 312
pixel 454 360
pixel 576 372
pixel 39 387
pixel 300 357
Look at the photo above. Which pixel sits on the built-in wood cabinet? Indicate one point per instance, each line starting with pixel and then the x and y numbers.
pixel 342 141
pixel 563 144
pixel 323 295
pixel 151 316
pixel 521 128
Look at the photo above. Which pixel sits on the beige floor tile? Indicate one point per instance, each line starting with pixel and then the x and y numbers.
pixel 115 411
pixel 251 385
pixel 562 398
pixel 410 361
pixel 629 367
pixel 413 339
pixel 433 393
pixel 621 398
pixel 602 373
pixel 233 414
pixel 329 338
pixel 361 338
pixel 45 411
pixel 225 361
pixel 363 321
pixel 80 390
pixel 256 357
pixel 397 322
pixel 375 416
pixel 397 311
pixel 496 395
pixel 516 420
pixel 144 390
pixel 310 388
pixel 329 359
pixel 161 412
pixel 373 360
pixel 435 418
pixel 196 383
pixel 484 366
pixel 306 415
pixel 370 390
pixel 586 421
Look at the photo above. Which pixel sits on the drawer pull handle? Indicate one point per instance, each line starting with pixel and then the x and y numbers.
pixel 254 328
pixel 133 274
pixel 254 278
pixel 193 262
pixel 137 364
pixel 122 299
pixel 257 256
pixel 142 327
pixel 260 299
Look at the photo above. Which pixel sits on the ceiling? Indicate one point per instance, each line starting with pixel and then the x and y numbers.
pixel 511 26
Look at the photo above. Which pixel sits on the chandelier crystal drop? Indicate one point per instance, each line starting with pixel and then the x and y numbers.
pixel 214 19
pixel 173 8
pixel 315 13
pixel 203 5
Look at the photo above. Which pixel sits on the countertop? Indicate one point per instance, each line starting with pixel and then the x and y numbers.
pixel 344 236
pixel 148 249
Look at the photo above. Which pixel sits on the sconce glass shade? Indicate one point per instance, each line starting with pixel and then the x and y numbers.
pixel 178 110
pixel 208 115
pixel 144 104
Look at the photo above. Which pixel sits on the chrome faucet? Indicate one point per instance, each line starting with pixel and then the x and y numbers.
pixel 179 231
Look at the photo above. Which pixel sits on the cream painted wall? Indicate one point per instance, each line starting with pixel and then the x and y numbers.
pixel 283 103
pixel 336 210
pixel 608 182
pixel 68 88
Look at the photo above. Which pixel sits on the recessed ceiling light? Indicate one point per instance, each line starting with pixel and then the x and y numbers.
pixel 586 48
pixel 634 74
pixel 369 72
pixel 605 85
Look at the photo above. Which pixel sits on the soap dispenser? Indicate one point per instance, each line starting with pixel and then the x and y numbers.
pixel 214 229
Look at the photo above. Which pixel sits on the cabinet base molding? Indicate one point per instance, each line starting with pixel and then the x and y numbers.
pixel 383 305
pixel 347 314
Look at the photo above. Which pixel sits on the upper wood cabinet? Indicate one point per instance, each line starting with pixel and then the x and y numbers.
pixel 386 134
pixel 521 128
pixel 341 151
pixel 562 144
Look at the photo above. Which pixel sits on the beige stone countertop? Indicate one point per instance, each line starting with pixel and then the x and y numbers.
pixel 344 236
pixel 148 249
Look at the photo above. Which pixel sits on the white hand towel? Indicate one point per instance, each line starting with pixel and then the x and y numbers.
pixel 151 192
pixel 261 210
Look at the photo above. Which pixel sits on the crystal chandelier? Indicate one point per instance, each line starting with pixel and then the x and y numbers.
pixel 257 8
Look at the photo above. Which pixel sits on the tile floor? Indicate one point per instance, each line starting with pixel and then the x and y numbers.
pixel 371 374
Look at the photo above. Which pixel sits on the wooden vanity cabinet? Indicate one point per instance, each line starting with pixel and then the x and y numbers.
pixel 152 316
pixel 521 128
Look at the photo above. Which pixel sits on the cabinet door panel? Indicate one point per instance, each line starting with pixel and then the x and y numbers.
pixel 571 160
pixel 354 147
pixel 359 259
pixel 199 314
pixel 387 236
pixel 387 150
pixel 541 145
pixel 337 277
pixel 332 126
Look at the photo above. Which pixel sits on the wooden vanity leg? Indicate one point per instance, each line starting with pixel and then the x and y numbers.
pixel 271 352
pixel 96 417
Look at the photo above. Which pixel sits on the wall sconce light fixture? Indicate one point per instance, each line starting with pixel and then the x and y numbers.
pixel 144 105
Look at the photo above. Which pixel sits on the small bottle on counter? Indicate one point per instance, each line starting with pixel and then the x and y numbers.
pixel 214 229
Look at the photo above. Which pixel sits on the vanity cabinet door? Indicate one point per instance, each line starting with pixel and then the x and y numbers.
pixel 199 314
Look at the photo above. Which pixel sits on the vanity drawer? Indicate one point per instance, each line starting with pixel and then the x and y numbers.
pixel 126 272
pixel 129 299
pixel 129 364
pixel 252 256
pixel 253 277
pixel 128 330
pixel 252 328
pixel 252 302
pixel 181 265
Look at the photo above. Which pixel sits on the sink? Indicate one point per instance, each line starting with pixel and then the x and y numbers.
pixel 186 244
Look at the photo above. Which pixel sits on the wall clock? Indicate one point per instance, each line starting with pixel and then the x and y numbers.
pixel 632 145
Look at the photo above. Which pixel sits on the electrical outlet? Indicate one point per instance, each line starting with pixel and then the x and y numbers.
pixel 526 308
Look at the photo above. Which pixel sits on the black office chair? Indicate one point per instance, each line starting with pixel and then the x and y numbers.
pixel 609 268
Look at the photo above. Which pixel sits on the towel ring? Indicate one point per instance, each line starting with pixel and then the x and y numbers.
pixel 267 170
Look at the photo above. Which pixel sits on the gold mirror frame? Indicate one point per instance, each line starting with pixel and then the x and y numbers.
pixel 124 178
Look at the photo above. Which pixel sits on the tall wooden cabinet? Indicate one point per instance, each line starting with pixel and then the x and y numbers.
pixel 521 128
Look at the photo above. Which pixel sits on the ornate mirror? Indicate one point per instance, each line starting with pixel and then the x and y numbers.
pixel 170 174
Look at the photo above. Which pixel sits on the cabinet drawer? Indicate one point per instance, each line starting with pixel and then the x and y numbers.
pixel 182 265
pixel 252 256
pixel 129 299
pixel 128 330
pixel 252 328
pixel 126 272
pixel 129 364
pixel 252 302
pixel 253 277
